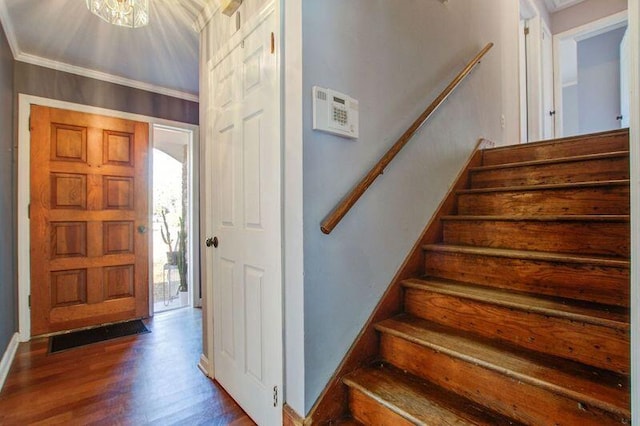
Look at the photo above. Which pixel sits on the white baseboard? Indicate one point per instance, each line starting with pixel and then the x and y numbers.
pixel 204 366
pixel 7 358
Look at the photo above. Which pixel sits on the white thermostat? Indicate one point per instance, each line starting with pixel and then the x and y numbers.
pixel 335 113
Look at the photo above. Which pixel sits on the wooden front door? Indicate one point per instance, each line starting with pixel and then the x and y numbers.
pixel 89 218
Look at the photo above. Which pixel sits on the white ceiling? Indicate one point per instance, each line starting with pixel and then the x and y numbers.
pixel 555 5
pixel 63 34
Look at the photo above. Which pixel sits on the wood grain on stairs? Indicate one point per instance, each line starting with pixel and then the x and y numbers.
pixel 603 197
pixel 604 142
pixel 588 278
pixel 592 234
pixel 514 383
pixel 521 309
pixel 585 333
pixel 384 395
pixel 586 168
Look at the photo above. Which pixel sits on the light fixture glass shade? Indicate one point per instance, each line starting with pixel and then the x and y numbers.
pixel 126 13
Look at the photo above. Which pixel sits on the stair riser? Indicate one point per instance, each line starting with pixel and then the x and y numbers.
pixel 596 145
pixel 506 395
pixel 607 285
pixel 590 344
pixel 370 412
pixel 576 201
pixel 570 172
pixel 600 238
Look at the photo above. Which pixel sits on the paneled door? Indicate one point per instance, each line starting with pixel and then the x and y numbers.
pixel 247 277
pixel 88 220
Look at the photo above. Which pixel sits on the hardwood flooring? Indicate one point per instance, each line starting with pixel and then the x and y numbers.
pixel 149 379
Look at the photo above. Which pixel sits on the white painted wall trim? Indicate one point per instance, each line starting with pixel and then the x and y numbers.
pixel 591 29
pixel 634 146
pixel 103 76
pixel 24 148
pixel 293 238
pixel 193 194
pixel 7 358
pixel 8 28
pixel 205 366
pixel 205 15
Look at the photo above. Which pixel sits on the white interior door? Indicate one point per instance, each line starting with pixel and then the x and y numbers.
pixel 624 80
pixel 548 110
pixel 246 175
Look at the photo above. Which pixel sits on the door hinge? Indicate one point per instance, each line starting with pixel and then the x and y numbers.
pixel 29 211
pixel 275 396
pixel 273 43
pixel 29 300
pixel 29 123
pixel 526 30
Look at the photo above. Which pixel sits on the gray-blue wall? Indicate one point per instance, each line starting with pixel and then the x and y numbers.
pixel 394 57
pixel 49 83
pixel 8 288
pixel 599 82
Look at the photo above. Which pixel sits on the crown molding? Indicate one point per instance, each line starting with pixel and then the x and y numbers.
pixel 205 15
pixel 8 28
pixel 556 5
pixel 20 56
pixel 103 76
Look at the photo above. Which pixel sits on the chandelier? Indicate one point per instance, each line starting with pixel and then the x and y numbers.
pixel 125 13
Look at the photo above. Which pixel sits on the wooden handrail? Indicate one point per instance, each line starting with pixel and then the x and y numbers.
pixel 347 202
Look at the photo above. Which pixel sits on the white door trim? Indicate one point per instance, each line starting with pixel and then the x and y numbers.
pixel 634 146
pixel 591 29
pixel 293 230
pixel 24 169
pixel 193 192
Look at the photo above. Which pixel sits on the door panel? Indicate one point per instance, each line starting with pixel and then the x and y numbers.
pixel 247 278
pixel 89 263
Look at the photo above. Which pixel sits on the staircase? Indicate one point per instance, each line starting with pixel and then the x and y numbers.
pixel 521 314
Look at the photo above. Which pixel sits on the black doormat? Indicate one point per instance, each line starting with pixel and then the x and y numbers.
pixel 66 341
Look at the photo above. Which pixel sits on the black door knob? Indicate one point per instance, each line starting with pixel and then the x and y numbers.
pixel 212 242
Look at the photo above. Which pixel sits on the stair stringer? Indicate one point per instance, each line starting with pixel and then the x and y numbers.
pixel 332 404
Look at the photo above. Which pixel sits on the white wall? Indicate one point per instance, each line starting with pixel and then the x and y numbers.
pixel 570 117
pixel 599 82
pixel 394 58
pixel 584 13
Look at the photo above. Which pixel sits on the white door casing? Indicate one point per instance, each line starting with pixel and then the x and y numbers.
pixel 624 80
pixel 548 109
pixel 246 210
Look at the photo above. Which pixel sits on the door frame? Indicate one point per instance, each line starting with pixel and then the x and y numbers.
pixel 193 213
pixel 634 148
pixel 531 96
pixel 581 32
pixel 24 193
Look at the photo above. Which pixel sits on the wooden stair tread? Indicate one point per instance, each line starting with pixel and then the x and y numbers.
pixel 529 255
pixel 597 135
pixel 417 401
pixel 590 386
pixel 555 186
pixel 585 312
pixel 529 163
pixel 544 218
pixel 346 422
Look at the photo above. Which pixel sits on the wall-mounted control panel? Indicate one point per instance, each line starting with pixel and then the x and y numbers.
pixel 335 113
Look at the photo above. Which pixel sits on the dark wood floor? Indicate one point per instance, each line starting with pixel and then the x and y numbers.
pixel 146 379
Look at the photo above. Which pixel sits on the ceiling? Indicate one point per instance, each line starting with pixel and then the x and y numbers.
pixel 62 34
pixel 555 5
